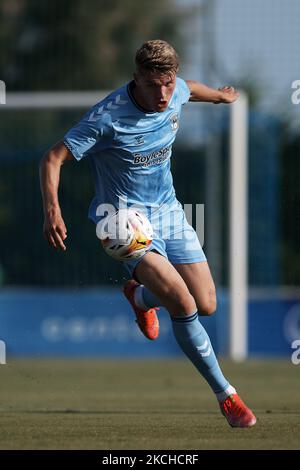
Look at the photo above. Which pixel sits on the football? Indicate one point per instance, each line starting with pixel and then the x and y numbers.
pixel 126 234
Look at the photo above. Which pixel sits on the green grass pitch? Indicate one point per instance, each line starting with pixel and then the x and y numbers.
pixel 157 404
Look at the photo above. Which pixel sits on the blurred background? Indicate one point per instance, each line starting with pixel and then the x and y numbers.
pixel 59 57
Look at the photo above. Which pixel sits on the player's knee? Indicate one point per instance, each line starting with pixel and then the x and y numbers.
pixel 208 306
pixel 183 304
pixel 187 303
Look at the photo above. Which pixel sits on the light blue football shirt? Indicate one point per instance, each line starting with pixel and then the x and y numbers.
pixel 129 149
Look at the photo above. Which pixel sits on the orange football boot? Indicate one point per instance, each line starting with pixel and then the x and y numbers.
pixel 147 320
pixel 236 412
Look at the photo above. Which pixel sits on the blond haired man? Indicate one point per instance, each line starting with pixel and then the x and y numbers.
pixel 128 138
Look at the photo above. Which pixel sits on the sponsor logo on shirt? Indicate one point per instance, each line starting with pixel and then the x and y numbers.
pixel 153 158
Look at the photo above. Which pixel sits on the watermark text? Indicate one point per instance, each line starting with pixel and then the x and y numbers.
pixel 295 358
pixel 2 92
pixel 295 97
pixel 2 352
pixel 169 221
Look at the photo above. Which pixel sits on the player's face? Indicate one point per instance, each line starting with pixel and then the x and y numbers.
pixel 154 90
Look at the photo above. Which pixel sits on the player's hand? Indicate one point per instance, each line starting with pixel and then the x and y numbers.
pixel 228 94
pixel 55 230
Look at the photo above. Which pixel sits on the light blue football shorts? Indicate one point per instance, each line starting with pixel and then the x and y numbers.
pixel 174 238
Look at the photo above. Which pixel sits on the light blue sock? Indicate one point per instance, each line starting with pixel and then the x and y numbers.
pixel 195 343
pixel 145 299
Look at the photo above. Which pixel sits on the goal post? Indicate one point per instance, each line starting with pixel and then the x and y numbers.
pixel 238 231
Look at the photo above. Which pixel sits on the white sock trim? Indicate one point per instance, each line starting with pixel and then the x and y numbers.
pixel 223 395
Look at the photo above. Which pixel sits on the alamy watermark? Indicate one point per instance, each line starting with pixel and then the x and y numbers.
pixel 295 357
pixel 2 352
pixel 295 96
pixel 2 92
pixel 168 221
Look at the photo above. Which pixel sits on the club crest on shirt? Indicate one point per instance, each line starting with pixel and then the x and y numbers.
pixel 139 140
pixel 174 121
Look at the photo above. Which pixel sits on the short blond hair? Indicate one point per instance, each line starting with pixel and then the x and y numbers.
pixel 156 56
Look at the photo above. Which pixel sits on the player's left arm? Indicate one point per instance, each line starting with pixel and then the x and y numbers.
pixel 201 92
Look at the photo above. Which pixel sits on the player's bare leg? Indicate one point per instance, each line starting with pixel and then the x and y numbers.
pixel 158 275
pixel 200 283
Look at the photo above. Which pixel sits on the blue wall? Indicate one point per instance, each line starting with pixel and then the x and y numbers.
pixel 99 322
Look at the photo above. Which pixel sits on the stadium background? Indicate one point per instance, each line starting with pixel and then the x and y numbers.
pixel 64 305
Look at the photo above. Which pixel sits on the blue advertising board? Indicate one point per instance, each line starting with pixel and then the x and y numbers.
pixel 100 322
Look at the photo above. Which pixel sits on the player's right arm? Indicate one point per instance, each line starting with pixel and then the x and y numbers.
pixel 54 229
